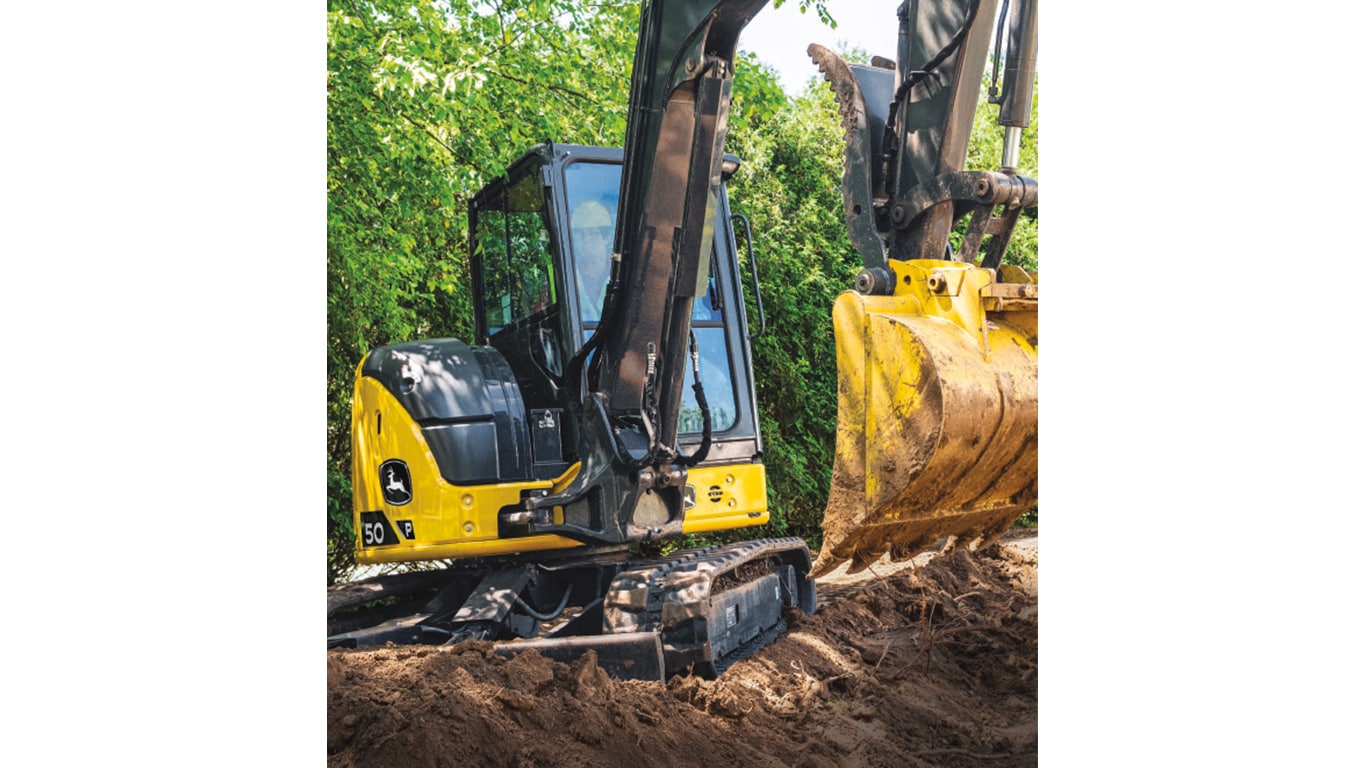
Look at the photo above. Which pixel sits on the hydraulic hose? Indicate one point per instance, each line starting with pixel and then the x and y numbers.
pixel 533 613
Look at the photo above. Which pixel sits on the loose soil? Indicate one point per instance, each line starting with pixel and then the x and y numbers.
pixel 927 663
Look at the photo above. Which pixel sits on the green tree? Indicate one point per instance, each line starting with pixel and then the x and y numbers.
pixel 789 188
pixel 425 103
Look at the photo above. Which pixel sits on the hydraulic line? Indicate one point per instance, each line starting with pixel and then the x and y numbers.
pixel 914 77
pixel 700 393
pixel 533 613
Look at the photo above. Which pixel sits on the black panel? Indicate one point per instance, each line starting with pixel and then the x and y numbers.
pixel 505 397
pixel 467 402
pixel 464 451
pixel 375 530
pixel 438 379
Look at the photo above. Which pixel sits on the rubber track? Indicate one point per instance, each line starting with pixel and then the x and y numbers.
pixel 750 648
pixel 660 576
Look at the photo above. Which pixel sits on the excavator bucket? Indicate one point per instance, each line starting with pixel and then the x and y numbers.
pixel 938 348
pixel 938 412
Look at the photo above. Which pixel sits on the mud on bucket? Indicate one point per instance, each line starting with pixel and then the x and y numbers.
pixel 937 432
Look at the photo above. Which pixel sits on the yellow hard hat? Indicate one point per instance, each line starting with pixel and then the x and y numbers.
pixel 591 213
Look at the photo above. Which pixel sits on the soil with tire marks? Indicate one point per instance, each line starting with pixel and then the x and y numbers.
pixel 930 663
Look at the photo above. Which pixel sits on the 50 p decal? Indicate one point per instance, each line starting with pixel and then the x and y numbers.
pixel 375 530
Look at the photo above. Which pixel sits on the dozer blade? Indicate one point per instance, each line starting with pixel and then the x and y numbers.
pixel 938 413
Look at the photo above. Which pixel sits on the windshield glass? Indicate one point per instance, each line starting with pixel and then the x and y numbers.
pixel 593 190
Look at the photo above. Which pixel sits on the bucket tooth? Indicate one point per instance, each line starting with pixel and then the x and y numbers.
pixel 862 94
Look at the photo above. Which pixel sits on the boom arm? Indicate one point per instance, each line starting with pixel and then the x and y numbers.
pixel 907 126
pixel 629 376
pixel 680 99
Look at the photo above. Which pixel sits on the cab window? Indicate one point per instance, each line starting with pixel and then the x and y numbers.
pixel 513 245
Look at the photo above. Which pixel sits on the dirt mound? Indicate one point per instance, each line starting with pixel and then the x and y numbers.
pixel 932 664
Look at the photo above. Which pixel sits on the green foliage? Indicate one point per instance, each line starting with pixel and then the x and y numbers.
pixel 425 103
pixel 789 187
pixel 341 533
pixel 756 95
pixel 821 11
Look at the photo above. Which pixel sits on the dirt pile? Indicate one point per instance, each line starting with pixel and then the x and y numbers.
pixel 933 664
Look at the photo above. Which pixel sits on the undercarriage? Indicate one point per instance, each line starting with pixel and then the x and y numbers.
pixel 696 611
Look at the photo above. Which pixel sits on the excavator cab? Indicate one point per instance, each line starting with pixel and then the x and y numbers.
pixel 498 417
pixel 539 292
pixel 455 445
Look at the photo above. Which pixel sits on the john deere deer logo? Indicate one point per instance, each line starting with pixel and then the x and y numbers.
pixel 395 482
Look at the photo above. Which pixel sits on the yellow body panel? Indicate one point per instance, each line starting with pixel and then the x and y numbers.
pixel 448 521
pixel 937 431
pixel 727 497
pixel 453 521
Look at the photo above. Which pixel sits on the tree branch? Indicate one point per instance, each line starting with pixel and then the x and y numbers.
pixel 454 154
pixel 549 86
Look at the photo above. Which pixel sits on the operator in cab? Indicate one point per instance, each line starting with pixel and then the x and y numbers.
pixel 593 230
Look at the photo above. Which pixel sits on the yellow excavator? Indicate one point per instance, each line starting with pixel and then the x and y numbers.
pixel 608 397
